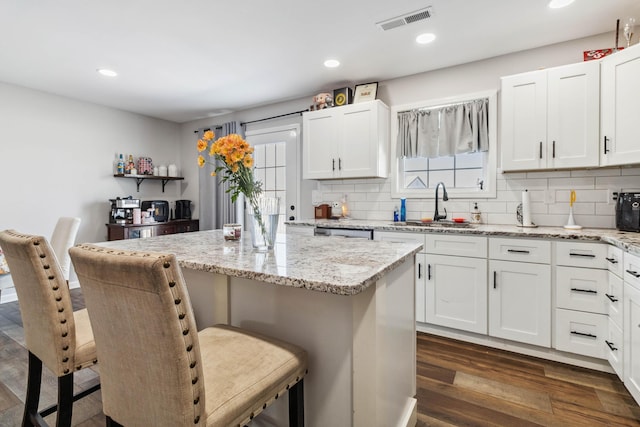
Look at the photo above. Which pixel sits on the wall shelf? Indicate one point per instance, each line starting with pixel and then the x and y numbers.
pixel 140 178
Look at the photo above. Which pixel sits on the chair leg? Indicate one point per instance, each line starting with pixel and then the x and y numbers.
pixel 296 405
pixel 34 380
pixel 65 400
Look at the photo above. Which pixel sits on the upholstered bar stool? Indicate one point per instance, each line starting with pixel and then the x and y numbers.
pixel 55 335
pixel 156 369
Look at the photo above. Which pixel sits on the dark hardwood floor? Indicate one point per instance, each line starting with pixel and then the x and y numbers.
pixel 458 384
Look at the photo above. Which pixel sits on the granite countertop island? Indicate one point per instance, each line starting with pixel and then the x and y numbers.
pixel 350 303
pixel 334 265
pixel 628 241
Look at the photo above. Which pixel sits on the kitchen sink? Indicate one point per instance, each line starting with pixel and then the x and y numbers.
pixel 434 224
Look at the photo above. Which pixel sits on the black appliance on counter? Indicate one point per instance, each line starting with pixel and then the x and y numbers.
pixel 183 209
pixel 122 210
pixel 628 212
pixel 159 209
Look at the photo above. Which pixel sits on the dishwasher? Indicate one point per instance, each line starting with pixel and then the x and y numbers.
pixel 358 233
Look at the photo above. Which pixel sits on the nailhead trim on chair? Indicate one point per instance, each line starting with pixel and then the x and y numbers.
pixel 67 366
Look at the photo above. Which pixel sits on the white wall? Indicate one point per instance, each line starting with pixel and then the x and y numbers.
pixel 371 198
pixel 56 159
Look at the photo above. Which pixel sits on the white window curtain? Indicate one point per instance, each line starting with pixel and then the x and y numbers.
pixel 216 208
pixel 444 130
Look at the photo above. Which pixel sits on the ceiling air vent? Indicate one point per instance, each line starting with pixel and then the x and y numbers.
pixel 408 18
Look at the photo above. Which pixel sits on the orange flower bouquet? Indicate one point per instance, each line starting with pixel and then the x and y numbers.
pixel 236 163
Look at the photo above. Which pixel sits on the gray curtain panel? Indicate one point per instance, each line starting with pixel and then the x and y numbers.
pixel 444 130
pixel 216 208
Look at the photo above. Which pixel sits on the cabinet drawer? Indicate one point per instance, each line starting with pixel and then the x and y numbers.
pixel 581 333
pixel 614 349
pixel 524 250
pixel 632 269
pixel 576 254
pixel 615 262
pixel 448 244
pixel 399 236
pixel 615 299
pixel 582 289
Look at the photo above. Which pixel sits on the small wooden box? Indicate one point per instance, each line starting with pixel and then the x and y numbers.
pixel 323 212
pixel 342 96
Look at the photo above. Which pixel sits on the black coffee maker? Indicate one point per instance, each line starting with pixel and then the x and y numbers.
pixel 183 209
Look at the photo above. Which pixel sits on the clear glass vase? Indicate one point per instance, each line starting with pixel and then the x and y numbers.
pixel 264 214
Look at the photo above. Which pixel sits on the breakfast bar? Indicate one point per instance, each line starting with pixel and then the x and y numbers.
pixel 349 302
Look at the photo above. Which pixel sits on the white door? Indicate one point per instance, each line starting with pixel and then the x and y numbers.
pixel 456 292
pixel 620 108
pixel 573 115
pixel 520 302
pixel 523 126
pixel 276 164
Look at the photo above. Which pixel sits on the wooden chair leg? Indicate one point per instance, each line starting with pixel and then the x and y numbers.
pixel 65 401
pixel 34 380
pixel 296 405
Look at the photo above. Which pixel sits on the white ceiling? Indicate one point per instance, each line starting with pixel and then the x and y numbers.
pixel 183 60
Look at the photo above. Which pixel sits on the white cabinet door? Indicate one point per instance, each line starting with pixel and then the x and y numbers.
pixel 582 289
pixel 573 114
pixel 581 332
pixel 615 349
pixel 632 340
pixel 520 302
pixel 351 141
pixel 523 124
pixel 456 292
pixel 620 108
pixel 320 144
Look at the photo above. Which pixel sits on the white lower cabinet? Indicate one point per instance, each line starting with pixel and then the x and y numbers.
pixel 615 350
pixel 456 292
pixel 581 332
pixel 631 314
pixel 520 302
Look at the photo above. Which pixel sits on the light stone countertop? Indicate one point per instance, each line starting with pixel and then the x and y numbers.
pixel 628 241
pixel 327 264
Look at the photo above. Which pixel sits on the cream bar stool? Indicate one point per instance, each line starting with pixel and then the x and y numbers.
pixel 63 237
pixel 55 335
pixel 156 369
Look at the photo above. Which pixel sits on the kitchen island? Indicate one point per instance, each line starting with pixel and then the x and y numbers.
pixel 349 302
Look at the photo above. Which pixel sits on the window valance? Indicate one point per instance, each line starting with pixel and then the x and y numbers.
pixel 444 130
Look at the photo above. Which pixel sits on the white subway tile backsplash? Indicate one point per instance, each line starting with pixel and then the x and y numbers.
pixel 371 198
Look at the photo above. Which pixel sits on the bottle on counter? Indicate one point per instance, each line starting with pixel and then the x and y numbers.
pixel 120 169
pixel 476 216
pixel 403 209
pixel 396 214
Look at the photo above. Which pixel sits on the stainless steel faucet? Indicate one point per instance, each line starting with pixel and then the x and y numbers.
pixel 445 197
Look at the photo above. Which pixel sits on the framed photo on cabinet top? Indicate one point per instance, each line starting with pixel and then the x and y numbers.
pixel 365 92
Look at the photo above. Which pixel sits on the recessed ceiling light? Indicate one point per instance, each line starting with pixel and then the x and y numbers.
pixel 106 72
pixel 425 38
pixel 331 63
pixel 557 4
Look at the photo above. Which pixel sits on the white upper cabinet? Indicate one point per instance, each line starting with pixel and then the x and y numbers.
pixel 351 141
pixel 550 118
pixel 620 111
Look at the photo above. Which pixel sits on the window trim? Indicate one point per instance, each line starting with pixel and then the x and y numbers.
pixel 489 191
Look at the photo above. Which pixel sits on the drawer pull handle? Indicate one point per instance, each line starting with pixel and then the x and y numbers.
pixel 333 164
pixel 612 298
pixel 582 255
pixel 586 291
pixel 633 273
pixel 612 260
pixel 428 271
pixel 582 334
pixel 495 279
pixel 611 346
pixel 518 251
pixel 419 270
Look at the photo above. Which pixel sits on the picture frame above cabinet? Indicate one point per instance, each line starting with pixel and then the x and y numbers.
pixel 351 141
